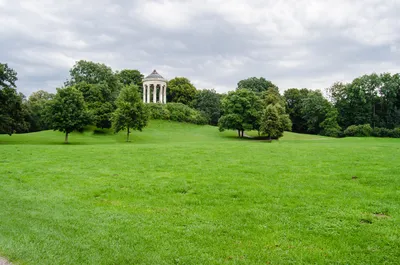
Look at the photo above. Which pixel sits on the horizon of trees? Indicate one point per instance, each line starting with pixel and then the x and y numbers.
pixel 370 100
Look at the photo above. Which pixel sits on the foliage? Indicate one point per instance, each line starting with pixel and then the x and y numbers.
pixel 68 112
pixel 255 84
pixel 208 102
pixel 294 102
pixel 159 111
pixel 176 112
pixel 95 73
pixel 100 87
pixel 128 77
pixel 314 110
pixel 37 105
pixel 363 130
pixel 370 99
pixel 12 112
pixel 242 111
pixel 330 126
pixel 271 124
pixel 180 90
pixel 131 112
pixel 100 102
pixel 182 113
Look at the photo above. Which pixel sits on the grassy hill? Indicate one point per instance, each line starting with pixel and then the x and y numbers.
pixel 188 194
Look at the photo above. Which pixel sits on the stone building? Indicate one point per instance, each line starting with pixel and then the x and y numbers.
pixel 155 86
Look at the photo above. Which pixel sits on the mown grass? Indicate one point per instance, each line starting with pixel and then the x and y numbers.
pixel 187 194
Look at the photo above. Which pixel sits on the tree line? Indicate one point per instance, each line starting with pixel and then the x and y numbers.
pixel 95 94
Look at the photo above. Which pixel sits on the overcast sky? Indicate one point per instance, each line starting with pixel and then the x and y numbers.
pixel 214 43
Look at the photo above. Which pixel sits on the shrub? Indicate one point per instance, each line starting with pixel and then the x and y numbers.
pixel 158 111
pixel 396 133
pixel 176 112
pixel 364 130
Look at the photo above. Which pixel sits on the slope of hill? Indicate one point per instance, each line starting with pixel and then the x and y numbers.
pixel 187 194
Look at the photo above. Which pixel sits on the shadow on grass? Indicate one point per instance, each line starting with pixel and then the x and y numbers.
pixel 257 139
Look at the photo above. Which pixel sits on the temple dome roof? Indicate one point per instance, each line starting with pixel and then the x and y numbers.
pixel 154 75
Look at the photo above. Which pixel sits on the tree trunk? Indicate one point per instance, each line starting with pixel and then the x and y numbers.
pixel 238 133
pixel 127 135
pixel 66 138
pixel 242 133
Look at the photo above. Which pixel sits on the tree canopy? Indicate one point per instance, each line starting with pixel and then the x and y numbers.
pixel 255 84
pixel 131 112
pixel 180 90
pixel 128 77
pixel 37 104
pixel 208 102
pixel 68 111
pixel 100 87
pixel 12 113
pixel 242 110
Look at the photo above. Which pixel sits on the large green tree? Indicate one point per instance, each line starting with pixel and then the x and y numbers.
pixel 370 99
pixel 314 110
pixel 271 123
pixel 128 77
pixel 294 103
pixel 208 102
pixel 12 113
pixel 131 112
pixel 99 103
pixel 100 87
pixel 37 104
pixel 180 90
pixel 242 111
pixel 255 84
pixel 68 112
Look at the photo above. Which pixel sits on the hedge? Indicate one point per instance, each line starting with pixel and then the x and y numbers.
pixel 176 112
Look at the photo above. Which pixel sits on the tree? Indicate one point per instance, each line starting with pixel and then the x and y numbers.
pixel 68 112
pixel 12 113
pixel 330 126
pixel 180 90
pixel 271 124
pixel 128 77
pixel 242 111
pixel 95 73
pixel 314 110
pixel 131 112
pixel 255 84
pixel 37 105
pixel 294 103
pixel 208 102
pixel 99 86
pixel 272 96
pixel 99 102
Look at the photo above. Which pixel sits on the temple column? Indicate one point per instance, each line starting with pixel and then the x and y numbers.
pixel 148 90
pixel 144 93
pixel 155 93
pixel 165 94
pixel 160 94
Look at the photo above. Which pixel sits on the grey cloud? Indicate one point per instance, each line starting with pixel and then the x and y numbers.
pixel 214 43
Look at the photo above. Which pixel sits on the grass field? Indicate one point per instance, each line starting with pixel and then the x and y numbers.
pixel 187 194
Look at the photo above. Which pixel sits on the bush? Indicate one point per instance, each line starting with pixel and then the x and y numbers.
pixel 382 132
pixel 158 111
pixel 176 112
pixel 396 133
pixel 364 130
pixel 331 132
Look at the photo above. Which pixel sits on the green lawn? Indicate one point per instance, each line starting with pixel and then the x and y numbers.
pixel 187 194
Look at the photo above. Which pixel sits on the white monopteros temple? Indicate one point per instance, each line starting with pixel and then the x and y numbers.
pixel 152 84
